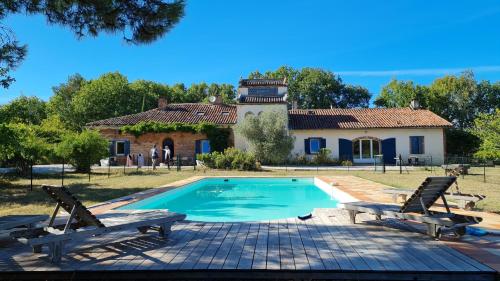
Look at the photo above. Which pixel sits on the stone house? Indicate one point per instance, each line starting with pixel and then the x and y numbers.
pixel 355 134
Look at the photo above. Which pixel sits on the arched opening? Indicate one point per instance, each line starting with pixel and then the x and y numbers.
pixel 170 144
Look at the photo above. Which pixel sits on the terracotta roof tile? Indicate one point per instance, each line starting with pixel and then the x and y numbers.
pixel 186 112
pixel 262 99
pixel 262 82
pixel 303 119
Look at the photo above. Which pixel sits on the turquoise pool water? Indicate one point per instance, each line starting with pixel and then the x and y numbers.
pixel 241 199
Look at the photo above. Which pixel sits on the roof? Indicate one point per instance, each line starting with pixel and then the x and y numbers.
pixel 262 99
pixel 365 118
pixel 262 82
pixel 220 114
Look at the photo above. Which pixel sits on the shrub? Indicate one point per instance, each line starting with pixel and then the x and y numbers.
pixel 323 157
pixel 346 163
pixel 83 149
pixel 268 136
pixel 231 158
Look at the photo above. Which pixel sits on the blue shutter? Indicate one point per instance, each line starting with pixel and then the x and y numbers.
pixel 322 143
pixel 197 147
pixel 307 147
pixel 112 148
pixel 127 147
pixel 345 149
pixel 389 150
pixel 209 147
pixel 414 145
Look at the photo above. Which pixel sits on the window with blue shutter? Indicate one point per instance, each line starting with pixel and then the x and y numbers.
pixel 314 145
pixel 417 145
pixel 197 147
pixel 120 148
pixel 205 146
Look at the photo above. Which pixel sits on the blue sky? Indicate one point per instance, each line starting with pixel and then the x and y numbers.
pixel 366 42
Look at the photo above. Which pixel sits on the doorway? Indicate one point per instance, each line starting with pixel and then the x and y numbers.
pixel 170 143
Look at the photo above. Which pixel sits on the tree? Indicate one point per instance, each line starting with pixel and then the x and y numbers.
pixel 148 92
pixel 82 150
pixel 268 136
pixel 487 129
pixel 106 97
pixel 61 103
pixel 318 88
pixel 29 110
pixel 401 93
pixel 140 21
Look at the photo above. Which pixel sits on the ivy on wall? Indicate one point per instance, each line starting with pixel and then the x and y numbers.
pixel 218 137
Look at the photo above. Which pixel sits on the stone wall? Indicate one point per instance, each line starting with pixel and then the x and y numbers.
pixel 184 143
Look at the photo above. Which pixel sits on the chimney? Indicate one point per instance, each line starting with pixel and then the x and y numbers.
pixel 414 104
pixel 215 99
pixel 162 103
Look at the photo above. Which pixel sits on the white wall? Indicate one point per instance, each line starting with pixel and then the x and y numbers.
pixel 242 109
pixel 433 140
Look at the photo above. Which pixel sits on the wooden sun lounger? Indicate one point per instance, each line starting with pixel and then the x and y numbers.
pixel 416 208
pixel 464 201
pixel 16 222
pixel 87 225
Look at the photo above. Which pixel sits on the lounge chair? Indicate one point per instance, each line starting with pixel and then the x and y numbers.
pixel 86 224
pixel 416 208
pixel 464 201
pixel 12 223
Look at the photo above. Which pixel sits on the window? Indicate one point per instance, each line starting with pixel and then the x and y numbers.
pixel 365 148
pixel 120 148
pixel 314 145
pixel 200 113
pixel 205 146
pixel 417 145
pixel 225 113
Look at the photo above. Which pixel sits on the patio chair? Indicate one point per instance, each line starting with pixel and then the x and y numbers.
pixel 12 223
pixel 81 223
pixel 416 208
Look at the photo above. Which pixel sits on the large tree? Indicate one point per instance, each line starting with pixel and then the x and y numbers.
pixel 318 88
pixel 457 98
pixel 29 110
pixel 61 102
pixel 487 129
pixel 139 21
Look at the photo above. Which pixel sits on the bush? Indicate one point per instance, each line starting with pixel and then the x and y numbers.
pixel 323 157
pixel 83 149
pixel 268 136
pixel 231 158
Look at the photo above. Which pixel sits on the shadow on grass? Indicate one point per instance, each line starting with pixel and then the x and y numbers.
pixel 20 193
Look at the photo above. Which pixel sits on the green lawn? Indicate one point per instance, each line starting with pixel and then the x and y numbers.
pixel 15 197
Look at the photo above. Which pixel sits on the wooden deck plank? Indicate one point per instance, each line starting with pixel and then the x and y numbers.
pixel 299 253
pixel 209 253
pixel 221 254
pixel 333 245
pixel 285 246
pixel 387 256
pixel 194 256
pixel 247 255
pixel 315 262
pixel 260 254
pixel 324 252
pixel 273 247
pixel 357 260
pixel 183 253
pixel 234 255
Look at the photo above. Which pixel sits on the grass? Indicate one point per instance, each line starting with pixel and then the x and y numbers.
pixel 15 197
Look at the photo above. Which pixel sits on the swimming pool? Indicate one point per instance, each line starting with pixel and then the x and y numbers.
pixel 241 199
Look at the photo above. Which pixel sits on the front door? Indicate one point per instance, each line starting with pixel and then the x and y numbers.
pixel 170 144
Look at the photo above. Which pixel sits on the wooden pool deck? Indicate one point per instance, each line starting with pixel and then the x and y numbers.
pixel 324 247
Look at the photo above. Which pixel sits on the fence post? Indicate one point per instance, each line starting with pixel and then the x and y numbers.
pixel 400 164
pixel 109 166
pixel 31 175
pixel 484 171
pixel 90 167
pixel 124 167
pixel 62 173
